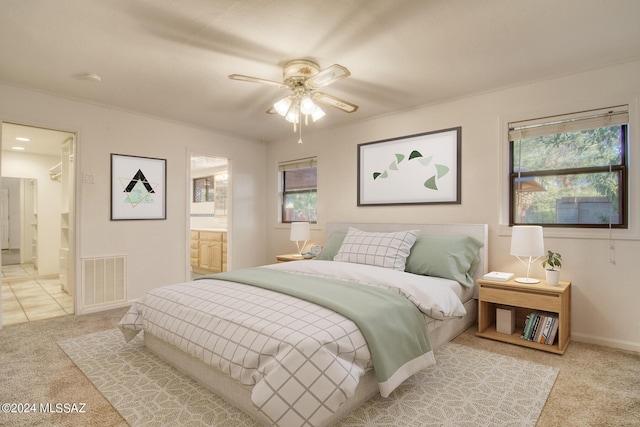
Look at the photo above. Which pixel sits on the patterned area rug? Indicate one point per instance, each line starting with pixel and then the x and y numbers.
pixel 467 387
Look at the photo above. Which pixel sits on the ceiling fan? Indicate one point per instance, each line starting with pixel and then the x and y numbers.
pixel 303 78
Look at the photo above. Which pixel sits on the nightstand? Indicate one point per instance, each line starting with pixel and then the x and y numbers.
pixel 524 298
pixel 291 257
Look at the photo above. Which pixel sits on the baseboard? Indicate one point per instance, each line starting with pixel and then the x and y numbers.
pixel 104 307
pixel 606 342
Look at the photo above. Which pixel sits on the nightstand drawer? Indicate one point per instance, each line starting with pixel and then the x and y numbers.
pixel 526 299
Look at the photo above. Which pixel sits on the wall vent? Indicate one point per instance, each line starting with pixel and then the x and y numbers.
pixel 104 280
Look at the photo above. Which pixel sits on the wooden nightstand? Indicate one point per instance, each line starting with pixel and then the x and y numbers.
pixel 291 257
pixel 525 298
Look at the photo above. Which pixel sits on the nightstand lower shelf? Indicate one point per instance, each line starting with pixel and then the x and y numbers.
pixel 515 338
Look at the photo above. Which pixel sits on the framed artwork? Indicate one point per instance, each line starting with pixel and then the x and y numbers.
pixel 415 169
pixel 138 188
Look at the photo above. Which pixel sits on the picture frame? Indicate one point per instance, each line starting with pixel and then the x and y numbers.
pixel 422 168
pixel 138 188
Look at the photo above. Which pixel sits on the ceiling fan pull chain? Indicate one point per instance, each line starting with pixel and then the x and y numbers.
pixel 300 139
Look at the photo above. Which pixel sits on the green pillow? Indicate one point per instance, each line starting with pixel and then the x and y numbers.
pixel 449 257
pixel 332 246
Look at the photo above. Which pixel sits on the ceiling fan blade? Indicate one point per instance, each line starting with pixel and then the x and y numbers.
pixel 250 79
pixel 327 76
pixel 338 103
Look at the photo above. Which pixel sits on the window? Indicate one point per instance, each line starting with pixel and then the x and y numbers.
pixel 298 194
pixel 570 170
pixel 221 192
pixel 203 189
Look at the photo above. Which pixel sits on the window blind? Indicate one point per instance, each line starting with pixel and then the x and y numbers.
pixel 309 162
pixel 605 117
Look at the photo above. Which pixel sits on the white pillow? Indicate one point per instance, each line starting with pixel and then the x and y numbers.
pixel 388 250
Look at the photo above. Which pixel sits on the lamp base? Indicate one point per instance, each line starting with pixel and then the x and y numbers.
pixel 527 280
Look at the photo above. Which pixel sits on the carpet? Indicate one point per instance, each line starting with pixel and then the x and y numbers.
pixel 467 387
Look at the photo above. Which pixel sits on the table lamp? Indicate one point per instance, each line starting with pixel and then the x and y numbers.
pixel 300 231
pixel 527 245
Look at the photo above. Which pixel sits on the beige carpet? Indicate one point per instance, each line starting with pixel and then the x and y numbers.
pixel 596 387
pixel 466 387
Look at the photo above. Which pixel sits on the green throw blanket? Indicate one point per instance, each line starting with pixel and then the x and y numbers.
pixel 392 325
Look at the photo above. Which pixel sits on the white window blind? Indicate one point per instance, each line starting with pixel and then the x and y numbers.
pixel 613 116
pixel 298 164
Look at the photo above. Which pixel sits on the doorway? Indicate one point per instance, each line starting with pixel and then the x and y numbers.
pixel 209 210
pixel 37 174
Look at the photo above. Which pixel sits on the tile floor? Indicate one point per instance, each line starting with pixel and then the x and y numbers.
pixel 27 297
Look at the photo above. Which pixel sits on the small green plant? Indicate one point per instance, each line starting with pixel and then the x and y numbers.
pixel 552 260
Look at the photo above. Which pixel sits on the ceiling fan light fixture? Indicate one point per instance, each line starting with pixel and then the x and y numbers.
pixel 293 116
pixel 317 114
pixel 282 106
pixel 307 106
pixel 303 77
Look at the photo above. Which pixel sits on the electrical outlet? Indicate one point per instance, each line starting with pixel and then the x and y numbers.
pixel 88 178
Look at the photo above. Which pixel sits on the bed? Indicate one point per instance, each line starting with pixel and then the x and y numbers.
pixel 313 348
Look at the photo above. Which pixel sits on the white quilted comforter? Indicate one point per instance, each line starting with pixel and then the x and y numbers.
pixel 302 360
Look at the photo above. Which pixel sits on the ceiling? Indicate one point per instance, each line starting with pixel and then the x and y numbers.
pixel 171 58
pixel 33 140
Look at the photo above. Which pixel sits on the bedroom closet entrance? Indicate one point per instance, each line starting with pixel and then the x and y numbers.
pixel 209 210
pixel 37 207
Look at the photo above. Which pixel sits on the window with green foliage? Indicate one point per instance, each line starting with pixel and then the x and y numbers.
pixel 570 170
pixel 298 190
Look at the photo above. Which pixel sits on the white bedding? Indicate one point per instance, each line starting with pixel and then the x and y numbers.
pixel 436 297
pixel 302 360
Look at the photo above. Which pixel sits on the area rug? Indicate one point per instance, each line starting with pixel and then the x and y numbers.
pixel 467 387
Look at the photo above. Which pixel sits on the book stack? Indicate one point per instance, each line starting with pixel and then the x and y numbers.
pixel 541 327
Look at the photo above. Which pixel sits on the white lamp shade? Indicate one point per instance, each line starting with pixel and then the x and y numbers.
pixel 293 116
pixel 527 241
pixel 282 106
pixel 307 106
pixel 317 114
pixel 300 231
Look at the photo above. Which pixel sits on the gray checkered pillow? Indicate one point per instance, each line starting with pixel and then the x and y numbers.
pixel 388 250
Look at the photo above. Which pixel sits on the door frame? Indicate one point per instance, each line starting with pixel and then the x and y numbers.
pixel 197 152
pixel 73 204
pixel 4 221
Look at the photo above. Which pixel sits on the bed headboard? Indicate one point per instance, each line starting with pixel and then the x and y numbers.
pixel 477 231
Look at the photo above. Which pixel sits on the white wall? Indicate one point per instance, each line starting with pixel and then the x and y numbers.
pixel 157 251
pixel 605 295
pixel 24 165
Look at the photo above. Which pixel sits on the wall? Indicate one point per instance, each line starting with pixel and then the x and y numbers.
pixel 605 294
pixel 157 251
pixel 22 165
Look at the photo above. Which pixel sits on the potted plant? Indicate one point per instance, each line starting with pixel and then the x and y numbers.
pixel 552 262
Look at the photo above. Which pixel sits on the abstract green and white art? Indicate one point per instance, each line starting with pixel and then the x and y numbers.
pixel 138 187
pixel 415 169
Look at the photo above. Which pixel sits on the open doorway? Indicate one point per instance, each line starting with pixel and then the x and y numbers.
pixel 209 210
pixel 37 176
